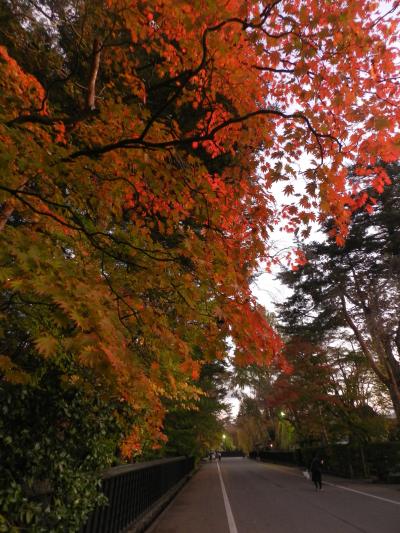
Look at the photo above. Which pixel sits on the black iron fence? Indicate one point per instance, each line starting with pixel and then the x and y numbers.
pixel 375 460
pixel 232 453
pixel 276 456
pixel 131 490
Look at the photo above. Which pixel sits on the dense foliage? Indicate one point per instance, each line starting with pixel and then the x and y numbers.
pixel 353 291
pixel 330 395
pixel 139 143
pixel 326 395
pixel 196 432
pixel 54 443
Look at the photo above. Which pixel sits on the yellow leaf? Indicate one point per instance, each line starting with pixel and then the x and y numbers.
pixel 46 345
pixel 11 372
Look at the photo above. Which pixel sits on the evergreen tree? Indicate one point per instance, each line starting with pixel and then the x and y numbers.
pixel 356 286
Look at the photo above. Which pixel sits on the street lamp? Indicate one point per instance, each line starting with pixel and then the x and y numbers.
pixel 223 441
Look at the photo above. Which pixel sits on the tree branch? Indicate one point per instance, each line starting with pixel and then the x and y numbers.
pixel 140 143
pixel 362 343
pixel 94 69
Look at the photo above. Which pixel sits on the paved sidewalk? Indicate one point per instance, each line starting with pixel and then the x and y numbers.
pixel 198 508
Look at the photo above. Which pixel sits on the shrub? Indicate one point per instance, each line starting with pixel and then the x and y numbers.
pixel 55 441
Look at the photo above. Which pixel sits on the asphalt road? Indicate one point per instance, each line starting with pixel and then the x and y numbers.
pixel 244 496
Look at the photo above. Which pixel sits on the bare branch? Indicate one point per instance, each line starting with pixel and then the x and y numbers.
pixel 389 12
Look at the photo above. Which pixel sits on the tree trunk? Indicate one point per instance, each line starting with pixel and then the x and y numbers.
pixel 382 362
pixel 394 396
pixel 94 69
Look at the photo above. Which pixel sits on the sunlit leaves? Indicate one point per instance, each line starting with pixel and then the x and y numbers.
pixel 140 222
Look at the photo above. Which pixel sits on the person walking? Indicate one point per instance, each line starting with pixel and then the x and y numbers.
pixel 316 471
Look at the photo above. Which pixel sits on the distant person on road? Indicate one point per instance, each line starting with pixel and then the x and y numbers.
pixel 219 455
pixel 316 471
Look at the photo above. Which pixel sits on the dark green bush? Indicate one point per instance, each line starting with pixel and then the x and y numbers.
pixel 55 441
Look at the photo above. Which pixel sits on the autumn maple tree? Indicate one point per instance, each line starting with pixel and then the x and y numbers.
pixel 139 144
pixel 330 395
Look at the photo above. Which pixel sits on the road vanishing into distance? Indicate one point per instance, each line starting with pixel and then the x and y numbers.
pixel 243 496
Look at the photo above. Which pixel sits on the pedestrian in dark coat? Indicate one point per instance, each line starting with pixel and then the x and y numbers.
pixel 316 471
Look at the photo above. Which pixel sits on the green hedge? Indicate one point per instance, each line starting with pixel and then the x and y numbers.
pixel 54 444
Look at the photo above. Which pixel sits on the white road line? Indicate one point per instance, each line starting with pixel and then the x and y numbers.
pixel 229 515
pixel 363 493
pixel 346 488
